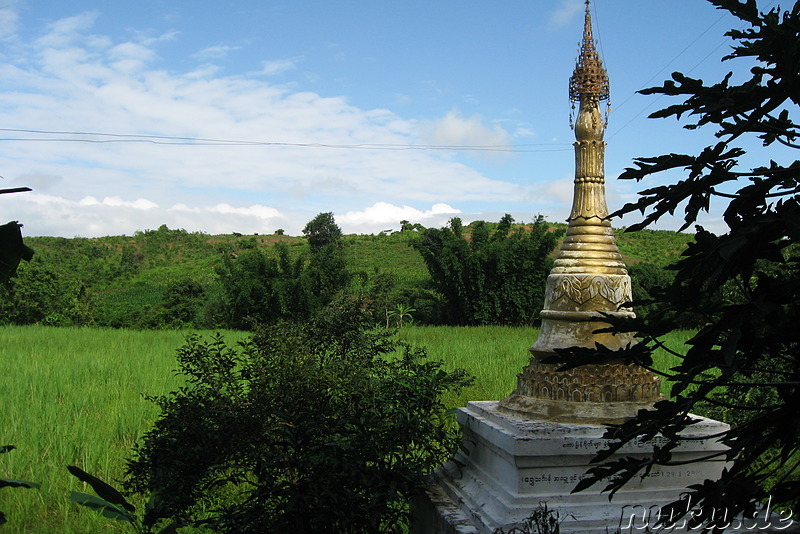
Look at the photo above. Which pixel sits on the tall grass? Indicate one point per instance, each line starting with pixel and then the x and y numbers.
pixel 495 354
pixel 72 396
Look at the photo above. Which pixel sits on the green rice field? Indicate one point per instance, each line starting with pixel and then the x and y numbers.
pixel 71 396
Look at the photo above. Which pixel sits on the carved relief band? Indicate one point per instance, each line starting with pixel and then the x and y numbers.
pixel 586 291
pixel 589 383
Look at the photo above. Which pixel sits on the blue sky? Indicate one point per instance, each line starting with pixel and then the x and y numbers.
pixel 340 102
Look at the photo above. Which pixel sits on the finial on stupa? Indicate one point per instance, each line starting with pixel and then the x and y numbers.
pixel 588 284
pixel 589 80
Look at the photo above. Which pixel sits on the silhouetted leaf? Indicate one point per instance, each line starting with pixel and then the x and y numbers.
pixel 102 506
pixel 106 492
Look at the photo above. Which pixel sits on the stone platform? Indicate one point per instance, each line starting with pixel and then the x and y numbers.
pixel 513 465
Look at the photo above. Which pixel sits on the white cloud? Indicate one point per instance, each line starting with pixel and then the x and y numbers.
pixel 278 66
pixel 129 50
pixel 565 13
pixel 148 40
pixel 524 131
pixel 560 190
pixel 256 210
pixel 89 201
pixel 138 204
pixel 113 216
pixel 441 209
pixel 214 52
pixel 455 130
pixel 386 215
pixel 74 80
pixel 206 70
pixel 65 31
pixel 130 57
pixel 9 18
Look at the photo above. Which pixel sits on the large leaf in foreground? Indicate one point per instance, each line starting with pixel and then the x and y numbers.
pixel 102 506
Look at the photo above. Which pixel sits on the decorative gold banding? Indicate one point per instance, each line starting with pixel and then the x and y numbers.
pixel 584 266
pixel 593 226
pixel 586 239
pixel 582 316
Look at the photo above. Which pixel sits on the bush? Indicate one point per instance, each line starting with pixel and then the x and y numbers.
pixel 260 288
pixel 647 280
pixel 321 231
pixel 321 427
pixel 497 276
pixel 183 304
pixel 40 295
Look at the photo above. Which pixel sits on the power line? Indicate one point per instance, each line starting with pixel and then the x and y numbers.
pixel 108 138
pixel 662 69
pixel 670 62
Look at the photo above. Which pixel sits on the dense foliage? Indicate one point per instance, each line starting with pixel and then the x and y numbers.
pixel 258 288
pixel 168 278
pixel 262 289
pixel 316 427
pixel 494 277
pixel 744 284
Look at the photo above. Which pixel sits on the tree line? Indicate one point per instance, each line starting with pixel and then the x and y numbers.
pixel 484 273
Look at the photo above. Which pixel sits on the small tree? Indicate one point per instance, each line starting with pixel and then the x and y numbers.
pixel 322 230
pixel 40 295
pixel 183 303
pixel 400 313
pixel 325 274
pixel 247 295
pixel 303 428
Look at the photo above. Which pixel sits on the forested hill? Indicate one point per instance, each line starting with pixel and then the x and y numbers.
pixel 173 278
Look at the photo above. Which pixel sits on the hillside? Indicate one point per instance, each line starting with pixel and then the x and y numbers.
pixel 121 280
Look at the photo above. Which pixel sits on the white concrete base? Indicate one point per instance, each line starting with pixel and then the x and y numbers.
pixel 513 465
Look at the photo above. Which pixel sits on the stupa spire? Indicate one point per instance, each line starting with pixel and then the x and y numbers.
pixel 588 283
pixel 589 79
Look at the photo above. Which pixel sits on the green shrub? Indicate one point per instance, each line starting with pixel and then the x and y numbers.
pixel 497 276
pixel 260 287
pixel 321 427
pixel 40 295
pixel 183 304
pixel 646 280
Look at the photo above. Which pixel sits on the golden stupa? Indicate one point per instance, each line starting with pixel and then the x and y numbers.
pixel 588 280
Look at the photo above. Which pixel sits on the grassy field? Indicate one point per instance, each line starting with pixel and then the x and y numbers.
pixel 74 397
